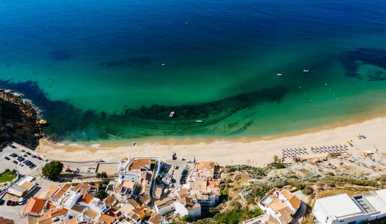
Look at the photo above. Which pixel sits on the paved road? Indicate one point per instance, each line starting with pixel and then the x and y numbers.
pixel 13 213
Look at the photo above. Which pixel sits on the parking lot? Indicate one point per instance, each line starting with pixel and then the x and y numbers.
pixel 20 158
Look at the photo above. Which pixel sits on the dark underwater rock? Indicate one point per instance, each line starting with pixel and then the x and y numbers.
pixel 133 61
pixel 352 60
pixel 68 122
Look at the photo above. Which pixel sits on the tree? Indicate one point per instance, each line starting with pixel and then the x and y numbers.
pixel 308 190
pixel 102 175
pixel 101 194
pixel 52 170
pixel 277 163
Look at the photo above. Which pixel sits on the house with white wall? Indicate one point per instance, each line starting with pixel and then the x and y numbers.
pixel 344 209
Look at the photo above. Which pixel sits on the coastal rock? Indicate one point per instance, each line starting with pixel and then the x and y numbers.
pixel 20 120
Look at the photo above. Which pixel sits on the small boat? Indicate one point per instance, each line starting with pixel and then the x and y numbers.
pixel 171 114
pixel 306 70
pixel 198 121
pixel 279 74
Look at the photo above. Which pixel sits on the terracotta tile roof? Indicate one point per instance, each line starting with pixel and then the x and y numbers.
pixel 164 202
pixel 277 205
pixel 87 198
pixel 106 219
pixel 58 212
pixel 83 188
pixel 48 216
pixel 6 221
pixel 293 200
pixel 183 193
pixel 34 206
pixel 45 221
pixel 140 212
pixel 60 191
pixel 271 220
pixel 110 201
pixel 49 191
pixel 91 213
pixel 128 184
pixel 78 208
pixel 71 221
pixel 139 163
pixel 133 203
pixel 207 165
pixel 285 215
pixel 155 219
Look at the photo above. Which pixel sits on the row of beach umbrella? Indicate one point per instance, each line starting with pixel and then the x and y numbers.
pixel 295 152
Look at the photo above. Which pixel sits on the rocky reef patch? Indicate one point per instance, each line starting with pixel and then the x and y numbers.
pixel 374 61
pixel 68 122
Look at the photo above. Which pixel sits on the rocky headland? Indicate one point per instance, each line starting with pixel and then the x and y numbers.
pixel 20 120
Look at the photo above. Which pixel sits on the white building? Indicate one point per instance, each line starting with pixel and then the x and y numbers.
pixel 279 206
pixel 164 206
pixel 344 209
pixel 192 211
pixel 337 209
pixel 23 187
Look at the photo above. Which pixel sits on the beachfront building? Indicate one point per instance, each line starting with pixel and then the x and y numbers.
pixel 280 206
pixel 191 209
pixel 35 207
pixel 184 188
pixel 165 206
pixel 135 179
pixel 204 183
pixel 69 203
pixel 345 209
pixel 21 190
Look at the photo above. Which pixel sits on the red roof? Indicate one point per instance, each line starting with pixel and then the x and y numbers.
pixel 34 206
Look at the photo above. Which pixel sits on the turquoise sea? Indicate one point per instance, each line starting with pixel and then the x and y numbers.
pixel 109 70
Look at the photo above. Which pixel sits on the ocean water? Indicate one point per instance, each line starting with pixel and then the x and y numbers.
pixel 105 70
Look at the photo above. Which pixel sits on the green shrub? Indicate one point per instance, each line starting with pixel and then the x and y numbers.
pixel 308 190
pixel 52 170
pixel 7 176
pixel 102 175
pixel 236 216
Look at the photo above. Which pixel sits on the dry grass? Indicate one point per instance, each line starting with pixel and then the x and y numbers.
pixel 348 190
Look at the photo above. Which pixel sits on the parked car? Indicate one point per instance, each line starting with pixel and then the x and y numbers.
pixel 13 155
pixel 11 203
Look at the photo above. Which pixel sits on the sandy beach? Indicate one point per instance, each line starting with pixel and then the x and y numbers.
pixel 226 152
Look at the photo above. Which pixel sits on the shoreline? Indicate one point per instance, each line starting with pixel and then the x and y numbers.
pixel 230 151
pixel 375 113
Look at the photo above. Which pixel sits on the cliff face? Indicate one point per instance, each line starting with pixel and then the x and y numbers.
pixel 19 120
